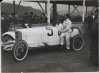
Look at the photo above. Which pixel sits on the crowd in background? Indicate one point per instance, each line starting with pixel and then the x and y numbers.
pixel 8 19
pixel 14 19
pixel 30 18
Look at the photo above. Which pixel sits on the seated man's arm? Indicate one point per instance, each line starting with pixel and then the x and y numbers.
pixel 68 26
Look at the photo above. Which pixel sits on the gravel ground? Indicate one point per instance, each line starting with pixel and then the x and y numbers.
pixel 50 60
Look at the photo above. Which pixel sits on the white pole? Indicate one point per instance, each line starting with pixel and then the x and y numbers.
pixel 48 11
pixel 83 16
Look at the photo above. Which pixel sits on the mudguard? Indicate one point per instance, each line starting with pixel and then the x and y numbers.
pixel 12 34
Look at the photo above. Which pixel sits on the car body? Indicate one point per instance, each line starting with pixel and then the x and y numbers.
pixel 35 37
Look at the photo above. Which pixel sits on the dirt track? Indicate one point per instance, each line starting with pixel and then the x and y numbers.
pixel 50 60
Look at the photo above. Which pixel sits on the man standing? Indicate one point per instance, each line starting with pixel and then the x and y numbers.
pixel 94 50
pixel 25 19
pixel 89 22
pixel 66 32
pixel 31 19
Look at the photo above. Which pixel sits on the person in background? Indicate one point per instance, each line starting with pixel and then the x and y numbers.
pixel 66 32
pixel 35 19
pixel 94 49
pixel 31 19
pixel 11 18
pixel 25 19
pixel 44 18
pixel 89 22
pixel 5 23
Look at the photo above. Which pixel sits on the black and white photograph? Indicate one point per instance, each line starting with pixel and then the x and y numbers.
pixel 49 36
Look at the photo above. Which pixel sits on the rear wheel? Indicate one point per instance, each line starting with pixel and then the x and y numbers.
pixel 20 50
pixel 77 43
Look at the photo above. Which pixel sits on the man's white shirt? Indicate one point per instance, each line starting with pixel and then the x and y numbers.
pixel 67 24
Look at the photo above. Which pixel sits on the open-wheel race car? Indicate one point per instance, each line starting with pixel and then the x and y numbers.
pixel 20 40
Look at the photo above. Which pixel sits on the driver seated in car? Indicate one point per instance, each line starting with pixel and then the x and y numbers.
pixel 66 32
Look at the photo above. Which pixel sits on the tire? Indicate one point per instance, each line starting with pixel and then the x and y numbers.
pixel 20 50
pixel 77 42
pixel 5 39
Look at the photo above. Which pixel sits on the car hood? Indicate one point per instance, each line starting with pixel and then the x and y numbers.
pixel 34 30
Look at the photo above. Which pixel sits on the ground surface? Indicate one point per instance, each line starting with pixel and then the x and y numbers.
pixel 50 60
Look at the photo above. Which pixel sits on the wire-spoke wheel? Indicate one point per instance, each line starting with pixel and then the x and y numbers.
pixel 77 42
pixel 20 50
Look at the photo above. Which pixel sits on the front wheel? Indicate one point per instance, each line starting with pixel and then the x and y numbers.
pixel 77 42
pixel 20 50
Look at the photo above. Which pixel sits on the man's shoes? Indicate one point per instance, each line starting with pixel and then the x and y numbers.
pixel 68 47
pixel 68 51
pixel 61 46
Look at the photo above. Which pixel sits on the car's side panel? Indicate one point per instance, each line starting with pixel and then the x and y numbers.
pixel 75 32
pixel 39 36
pixel 33 36
pixel 50 36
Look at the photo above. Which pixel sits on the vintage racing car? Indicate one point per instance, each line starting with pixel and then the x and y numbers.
pixel 20 40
